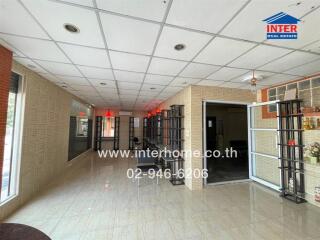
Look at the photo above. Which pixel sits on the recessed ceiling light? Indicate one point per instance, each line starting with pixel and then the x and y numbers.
pixel 103 84
pixel 71 28
pixel 31 66
pixel 179 47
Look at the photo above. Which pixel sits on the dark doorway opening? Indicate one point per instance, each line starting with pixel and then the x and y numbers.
pixel 227 138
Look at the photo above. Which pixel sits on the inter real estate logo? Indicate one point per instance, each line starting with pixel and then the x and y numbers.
pixel 282 26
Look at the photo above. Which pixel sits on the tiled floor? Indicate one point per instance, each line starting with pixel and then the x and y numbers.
pixel 97 201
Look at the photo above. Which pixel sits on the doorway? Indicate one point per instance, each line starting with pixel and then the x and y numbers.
pixel 226 140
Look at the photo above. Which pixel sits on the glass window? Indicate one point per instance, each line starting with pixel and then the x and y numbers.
pixel 108 127
pixel 280 92
pixel 272 97
pixel 304 85
pixel 82 127
pixel 304 93
pixel 316 92
pixel 11 146
pixel 291 86
pixel 272 92
pixel 316 82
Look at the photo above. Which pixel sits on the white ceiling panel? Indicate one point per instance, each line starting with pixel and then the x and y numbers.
pixel 84 89
pixel 128 92
pixel 158 79
pixel 152 87
pixel 88 3
pixel 305 70
pixel 172 89
pixel 129 62
pixel 183 82
pixel 30 64
pixel 260 75
pixel 166 66
pixel 15 19
pixel 148 9
pixel 222 50
pixel 165 95
pixel 314 47
pixel 86 56
pixel 205 15
pixel 231 85
pixel 226 73
pixel 289 61
pixel 148 93
pixel 35 48
pixel 259 56
pixel 126 85
pixel 106 83
pixel 16 52
pixel 197 70
pixel 50 77
pixel 249 23
pixel 172 36
pixel 74 80
pixel 129 35
pixel 277 79
pixel 128 97
pixel 100 73
pixel 209 83
pixel 53 16
pixel 60 68
pixel 128 76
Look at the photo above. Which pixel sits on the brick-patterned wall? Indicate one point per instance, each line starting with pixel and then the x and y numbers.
pixel 45 137
pixel 5 73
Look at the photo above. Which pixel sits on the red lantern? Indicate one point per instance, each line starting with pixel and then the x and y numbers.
pixel 108 114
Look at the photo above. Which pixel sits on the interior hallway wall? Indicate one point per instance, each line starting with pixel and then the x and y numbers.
pixel 124 127
pixel 45 136
pixel 192 97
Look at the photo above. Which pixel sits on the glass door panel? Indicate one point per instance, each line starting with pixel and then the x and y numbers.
pixel 263 147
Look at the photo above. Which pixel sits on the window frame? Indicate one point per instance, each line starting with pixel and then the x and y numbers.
pixel 17 140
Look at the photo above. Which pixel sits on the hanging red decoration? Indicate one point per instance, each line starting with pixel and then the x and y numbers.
pixel 108 113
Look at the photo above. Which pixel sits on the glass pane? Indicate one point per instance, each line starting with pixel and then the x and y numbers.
pixel 281 90
pixel 7 174
pixel 304 85
pixel 265 142
pixel 266 169
pixel 272 92
pixel 316 82
pixel 291 86
pixel 280 97
pixel 259 120
pixel 316 96
pixel 305 95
